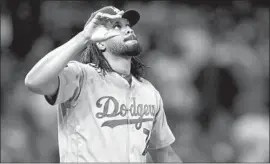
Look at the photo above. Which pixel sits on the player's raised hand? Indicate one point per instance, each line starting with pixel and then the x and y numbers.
pixel 97 30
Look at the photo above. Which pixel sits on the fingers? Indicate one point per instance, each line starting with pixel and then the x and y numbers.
pixel 100 38
pixel 120 13
pixel 102 34
pixel 110 34
pixel 109 16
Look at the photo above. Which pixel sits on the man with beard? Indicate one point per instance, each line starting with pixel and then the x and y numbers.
pixel 106 111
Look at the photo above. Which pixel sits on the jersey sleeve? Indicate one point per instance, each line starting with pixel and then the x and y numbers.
pixel 70 84
pixel 161 135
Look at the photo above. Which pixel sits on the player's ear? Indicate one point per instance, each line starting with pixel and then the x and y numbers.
pixel 101 46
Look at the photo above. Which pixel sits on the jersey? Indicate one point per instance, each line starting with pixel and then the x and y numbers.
pixel 103 118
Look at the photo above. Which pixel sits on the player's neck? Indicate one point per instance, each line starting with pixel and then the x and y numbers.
pixel 120 64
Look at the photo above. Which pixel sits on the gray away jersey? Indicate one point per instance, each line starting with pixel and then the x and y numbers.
pixel 104 119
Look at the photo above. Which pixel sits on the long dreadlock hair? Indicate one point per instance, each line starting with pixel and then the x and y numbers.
pixel 92 54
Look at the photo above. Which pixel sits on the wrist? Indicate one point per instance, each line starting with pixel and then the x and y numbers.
pixel 84 37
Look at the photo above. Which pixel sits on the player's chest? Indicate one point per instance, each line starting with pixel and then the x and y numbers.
pixel 113 105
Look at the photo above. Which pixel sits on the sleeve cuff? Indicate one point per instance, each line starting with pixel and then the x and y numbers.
pixel 164 144
pixel 55 99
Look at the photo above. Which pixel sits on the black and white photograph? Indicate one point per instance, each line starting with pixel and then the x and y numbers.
pixel 145 81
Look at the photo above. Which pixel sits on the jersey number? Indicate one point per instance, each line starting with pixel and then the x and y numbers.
pixel 147 133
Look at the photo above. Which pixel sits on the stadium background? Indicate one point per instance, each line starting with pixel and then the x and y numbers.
pixel 209 61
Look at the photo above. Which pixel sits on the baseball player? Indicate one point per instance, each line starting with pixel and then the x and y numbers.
pixel 106 111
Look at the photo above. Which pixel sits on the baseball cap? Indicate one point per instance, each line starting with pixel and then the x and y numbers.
pixel 132 16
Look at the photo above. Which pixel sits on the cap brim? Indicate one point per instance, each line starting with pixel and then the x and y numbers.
pixel 132 16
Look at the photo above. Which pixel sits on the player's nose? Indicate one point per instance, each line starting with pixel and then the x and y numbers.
pixel 129 30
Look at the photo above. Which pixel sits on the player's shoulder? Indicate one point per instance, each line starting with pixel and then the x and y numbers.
pixel 146 83
pixel 88 68
pixel 80 64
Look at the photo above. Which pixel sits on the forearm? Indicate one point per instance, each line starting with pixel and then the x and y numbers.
pixel 52 64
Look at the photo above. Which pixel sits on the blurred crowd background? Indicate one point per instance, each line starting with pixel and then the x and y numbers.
pixel 209 60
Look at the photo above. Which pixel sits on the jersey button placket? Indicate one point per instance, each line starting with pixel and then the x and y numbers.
pixel 131 129
pixel 128 125
pixel 132 154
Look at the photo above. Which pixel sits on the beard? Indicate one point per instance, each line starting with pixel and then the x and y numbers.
pixel 125 50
